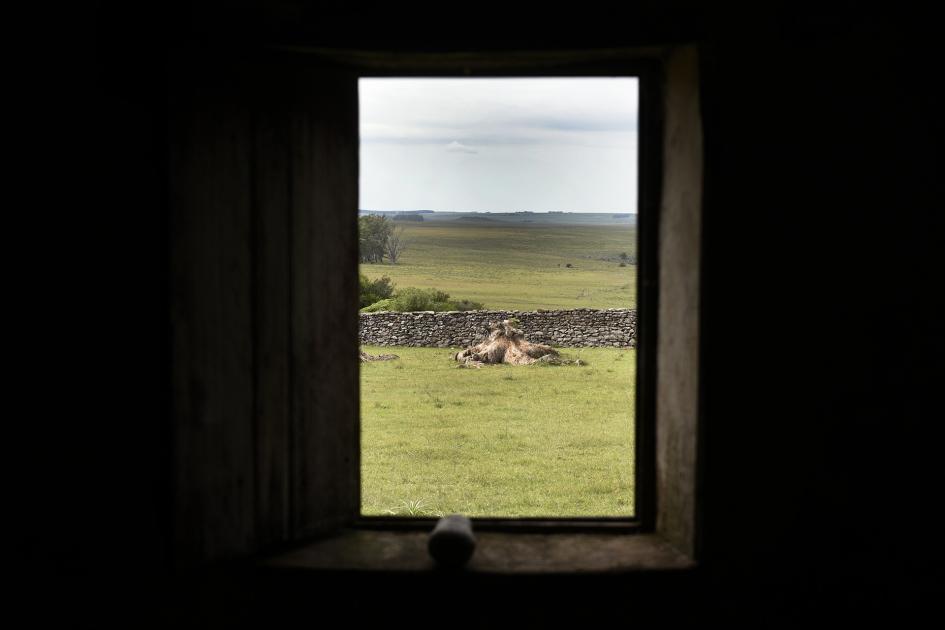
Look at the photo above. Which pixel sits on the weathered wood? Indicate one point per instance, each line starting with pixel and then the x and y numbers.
pixel 272 323
pixel 263 182
pixel 677 402
pixel 209 171
pixel 264 175
pixel 522 62
pixel 325 389
pixel 496 553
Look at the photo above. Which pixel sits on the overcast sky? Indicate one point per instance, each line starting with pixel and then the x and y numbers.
pixel 499 145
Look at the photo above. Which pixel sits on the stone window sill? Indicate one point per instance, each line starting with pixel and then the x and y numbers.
pixel 496 553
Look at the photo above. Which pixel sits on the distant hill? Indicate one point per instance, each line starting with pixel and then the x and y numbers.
pixel 362 212
pixel 553 217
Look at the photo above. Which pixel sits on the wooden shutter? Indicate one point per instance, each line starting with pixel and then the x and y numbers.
pixel 262 169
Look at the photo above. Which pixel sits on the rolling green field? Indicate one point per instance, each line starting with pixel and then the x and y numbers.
pixel 504 441
pixel 518 266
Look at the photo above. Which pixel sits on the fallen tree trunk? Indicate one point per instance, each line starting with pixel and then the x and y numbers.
pixel 506 344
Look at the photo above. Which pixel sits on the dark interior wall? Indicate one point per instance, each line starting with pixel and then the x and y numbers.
pixel 822 343
pixel 823 248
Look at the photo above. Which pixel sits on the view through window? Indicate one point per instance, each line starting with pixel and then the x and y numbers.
pixel 498 283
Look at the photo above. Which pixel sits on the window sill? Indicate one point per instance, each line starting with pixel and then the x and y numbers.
pixel 496 553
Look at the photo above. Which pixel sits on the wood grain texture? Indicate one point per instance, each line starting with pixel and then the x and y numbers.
pixel 677 401
pixel 272 325
pixel 263 181
pixel 325 415
pixel 496 553
pixel 212 353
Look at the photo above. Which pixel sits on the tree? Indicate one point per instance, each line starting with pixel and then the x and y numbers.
pixel 373 232
pixel 379 237
pixel 396 243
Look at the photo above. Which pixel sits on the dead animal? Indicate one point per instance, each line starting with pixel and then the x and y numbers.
pixel 506 344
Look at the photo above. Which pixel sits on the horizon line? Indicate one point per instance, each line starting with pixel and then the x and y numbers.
pixel 499 211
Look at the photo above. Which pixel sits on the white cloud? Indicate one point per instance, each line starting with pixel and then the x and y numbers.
pixel 551 144
pixel 459 147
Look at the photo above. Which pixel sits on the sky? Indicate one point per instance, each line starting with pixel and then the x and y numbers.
pixel 499 145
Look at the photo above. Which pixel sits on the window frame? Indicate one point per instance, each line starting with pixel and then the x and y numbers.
pixel 647 69
pixel 262 176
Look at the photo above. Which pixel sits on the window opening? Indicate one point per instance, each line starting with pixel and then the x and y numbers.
pixel 510 201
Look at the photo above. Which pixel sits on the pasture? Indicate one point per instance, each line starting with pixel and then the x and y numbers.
pixel 518 266
pixel 503 441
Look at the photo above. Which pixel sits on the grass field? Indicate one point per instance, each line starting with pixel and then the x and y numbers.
pixel 508 266
pixel 506 441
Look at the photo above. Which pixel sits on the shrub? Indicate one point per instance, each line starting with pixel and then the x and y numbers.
pixel 381 305
pixel 414 299
pixel 467 305
pixel 371 291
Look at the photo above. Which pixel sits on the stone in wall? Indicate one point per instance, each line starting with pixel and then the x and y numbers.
pixel 582 327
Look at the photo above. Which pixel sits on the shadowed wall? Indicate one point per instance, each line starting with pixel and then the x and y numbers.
pixel 821 189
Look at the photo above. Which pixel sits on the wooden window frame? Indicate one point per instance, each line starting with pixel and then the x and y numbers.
pixel 669 233
pixel 262 180
pixel 647 72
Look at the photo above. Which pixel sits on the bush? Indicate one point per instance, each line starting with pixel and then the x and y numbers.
pixel 467 305
pixel 381 305
pixel 414 299
pixel 370 291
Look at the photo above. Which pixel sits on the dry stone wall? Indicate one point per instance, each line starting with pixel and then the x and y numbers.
pixel 581 327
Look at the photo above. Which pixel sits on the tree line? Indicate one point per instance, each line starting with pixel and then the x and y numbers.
pixel 379 238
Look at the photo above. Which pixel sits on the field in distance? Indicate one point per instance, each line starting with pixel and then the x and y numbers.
pixel 504 441
pixel 509 263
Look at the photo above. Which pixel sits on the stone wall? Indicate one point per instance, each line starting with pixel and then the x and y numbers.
pixel 580 327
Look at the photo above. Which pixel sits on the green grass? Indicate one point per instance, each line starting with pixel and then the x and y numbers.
pixel 518 266
pixel 504 441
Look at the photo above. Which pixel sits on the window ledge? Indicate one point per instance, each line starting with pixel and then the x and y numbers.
pixel 496 553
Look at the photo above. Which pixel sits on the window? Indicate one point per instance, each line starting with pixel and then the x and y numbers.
pixel 262 176
pixel 519 193
pixel 667 465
